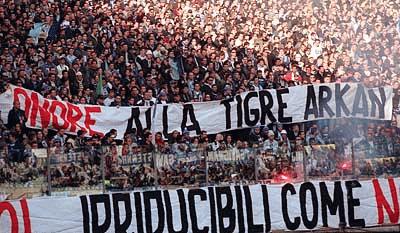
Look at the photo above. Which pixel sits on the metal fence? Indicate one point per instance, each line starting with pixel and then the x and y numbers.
pixel 325 162
pixel 119 168
pixel 23 170
pixel 376 160
pixel 71 168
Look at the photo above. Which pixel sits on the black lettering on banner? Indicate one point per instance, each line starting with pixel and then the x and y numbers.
pixel 182 207
pixel 304 187
pixel 360 96
pixel 286 218
pixel 353 202
pixel 375 101
pixel 135 114
pixel 311 100
pixel 239 204
pixel 85 214
pixel 156 195
pixel 212 210
pixel 227 211
pixel 340 104
pixel 248 111
pixel 138 212
pixel 333 205
pixel 94 201
pixel 267 217
pixel 165 120
pixel 188 108
pixel 324 100
pixel 282 105
pixel 226 103
pixel 266 108
pixel 125 198
pixel 249 212
pixel 239 111
pixel 148 118
pixel 192 209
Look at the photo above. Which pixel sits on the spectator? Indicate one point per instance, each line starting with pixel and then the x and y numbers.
pixel 15 149
pixel 271 145
pixel 177 52
pixel 16 116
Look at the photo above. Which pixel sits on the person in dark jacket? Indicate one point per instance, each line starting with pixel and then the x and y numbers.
pixel 255 136
pixel 15 149
pixel 16 116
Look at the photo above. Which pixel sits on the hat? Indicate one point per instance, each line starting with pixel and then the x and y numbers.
pixel 78 73
pixel 283 132
pixel 149 52
pixel 271 133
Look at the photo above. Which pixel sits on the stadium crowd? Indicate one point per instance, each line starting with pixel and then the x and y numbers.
pixel 130 53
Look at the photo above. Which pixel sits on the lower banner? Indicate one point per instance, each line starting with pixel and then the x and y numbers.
pixel 255 208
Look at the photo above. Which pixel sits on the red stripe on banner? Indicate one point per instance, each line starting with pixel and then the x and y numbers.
pixel 42 109
pixel 17 93
pixel 89 121
pixel 25 216
pixel 6 206
pixel 381 202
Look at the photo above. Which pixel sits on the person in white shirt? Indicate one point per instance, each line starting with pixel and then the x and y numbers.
pixel 316 49
pixel 61 66
pixel 110 98
pixel 271 145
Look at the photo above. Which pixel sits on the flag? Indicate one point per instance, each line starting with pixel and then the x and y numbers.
pixel 99 88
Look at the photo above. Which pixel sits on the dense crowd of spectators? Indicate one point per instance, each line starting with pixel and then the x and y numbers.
pixel 129 53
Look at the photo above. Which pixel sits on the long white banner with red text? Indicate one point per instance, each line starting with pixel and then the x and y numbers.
pixel 287 105
pixel 54 114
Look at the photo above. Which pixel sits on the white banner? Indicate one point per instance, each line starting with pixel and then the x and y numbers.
pixel 287 105
pixel 93 119
pixel 255 208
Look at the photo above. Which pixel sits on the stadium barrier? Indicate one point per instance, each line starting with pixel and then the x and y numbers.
pixel 68 170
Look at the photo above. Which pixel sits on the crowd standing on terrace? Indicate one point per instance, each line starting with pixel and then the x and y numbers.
pixel 155 52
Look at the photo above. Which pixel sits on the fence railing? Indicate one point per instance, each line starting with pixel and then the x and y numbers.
pixel 116 168
pixel 23 169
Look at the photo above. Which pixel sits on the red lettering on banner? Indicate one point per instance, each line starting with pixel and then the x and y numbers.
pixel 56 114
pixel 381 202
pixel 89 121
pixel 19 91
pixel 63 115
pixel 25 216
pixel 73 116
pixel 6 206
pixel 43 110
